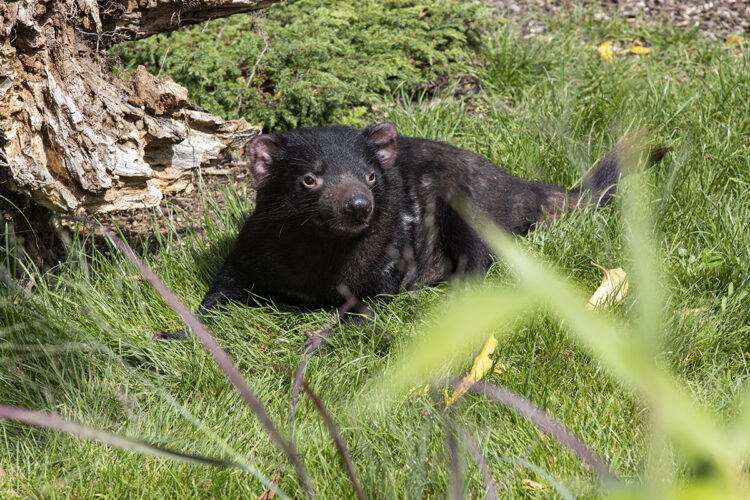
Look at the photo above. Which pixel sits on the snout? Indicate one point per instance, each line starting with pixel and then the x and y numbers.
pixel 359 206
pixel 346 206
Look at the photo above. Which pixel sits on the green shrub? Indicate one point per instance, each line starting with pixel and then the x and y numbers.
pixel 327 61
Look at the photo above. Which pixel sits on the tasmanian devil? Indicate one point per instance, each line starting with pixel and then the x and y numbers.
pixel 343 213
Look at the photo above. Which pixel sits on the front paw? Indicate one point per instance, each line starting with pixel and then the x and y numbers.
pixel 178 335
pixel 316 340
pixel 358 314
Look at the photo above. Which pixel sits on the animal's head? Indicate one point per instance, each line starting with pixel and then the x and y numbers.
pixel 333 178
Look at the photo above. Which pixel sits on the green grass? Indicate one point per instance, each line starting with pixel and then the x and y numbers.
pixel 326 61
pixel 548 108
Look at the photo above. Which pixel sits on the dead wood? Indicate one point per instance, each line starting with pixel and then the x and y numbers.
pixel 74 138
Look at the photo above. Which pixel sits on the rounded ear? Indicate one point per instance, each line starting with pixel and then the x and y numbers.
pixel 261 151
pixel 382 139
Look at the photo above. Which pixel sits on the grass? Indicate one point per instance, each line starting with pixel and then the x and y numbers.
pixel 547 109
pixel 326 62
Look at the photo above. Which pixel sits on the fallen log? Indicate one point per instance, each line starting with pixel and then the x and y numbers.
pixel 74 138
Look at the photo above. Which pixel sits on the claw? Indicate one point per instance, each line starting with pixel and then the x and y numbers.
pixel 315 340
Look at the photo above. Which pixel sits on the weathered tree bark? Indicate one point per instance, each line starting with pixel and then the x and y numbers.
pixel 74 138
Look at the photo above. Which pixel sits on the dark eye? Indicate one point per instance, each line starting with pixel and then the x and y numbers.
pixel 371 178
pixel 309 181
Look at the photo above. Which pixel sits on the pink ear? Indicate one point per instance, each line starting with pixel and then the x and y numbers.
pixel 383 139
pixel 262 149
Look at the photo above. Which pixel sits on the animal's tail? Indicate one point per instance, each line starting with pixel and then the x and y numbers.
pixel 600 184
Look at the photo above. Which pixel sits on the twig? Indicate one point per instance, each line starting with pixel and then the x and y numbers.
pixel 163 61
pixel 250 77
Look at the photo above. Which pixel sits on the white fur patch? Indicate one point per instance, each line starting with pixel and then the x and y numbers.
pixel 389 267
pixel 407 220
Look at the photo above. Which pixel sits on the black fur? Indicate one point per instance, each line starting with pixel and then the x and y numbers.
pixel 345 213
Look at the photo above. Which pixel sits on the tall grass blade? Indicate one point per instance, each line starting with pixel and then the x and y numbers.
pixel 564 493
pixel 58 424
pixel 690 424
pixel 451 446
pixel 481 461
pixel 541 419
pixel 645 273
pixel 333 430
pixel 192 418
pixel 212 346
pixel 453 336
pixel 297 378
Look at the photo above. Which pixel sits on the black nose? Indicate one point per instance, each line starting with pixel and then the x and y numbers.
pixel 358 206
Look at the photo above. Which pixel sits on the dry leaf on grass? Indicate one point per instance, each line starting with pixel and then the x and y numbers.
pixel 419 391
pixel 639 49
pixel 528 484
pixel 733 40
pixel 613 288
pixel 605 51
pixel 479 369
pixel 269 493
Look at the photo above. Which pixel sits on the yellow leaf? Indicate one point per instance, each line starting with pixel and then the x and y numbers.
pixel 528 484
pixel 639 49
pixel 499 369
pixel 479 369
pixel 419 391
pixel 613 288
pixel 605 51
pixel 733 39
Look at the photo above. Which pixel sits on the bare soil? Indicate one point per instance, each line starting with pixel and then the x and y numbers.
pixel 713 19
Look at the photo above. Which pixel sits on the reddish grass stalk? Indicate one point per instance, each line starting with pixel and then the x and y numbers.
pixel 482 462
pixel 212 346
pixel 330 424
pixel 544 421
pixel 59 424
pixel 457 480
